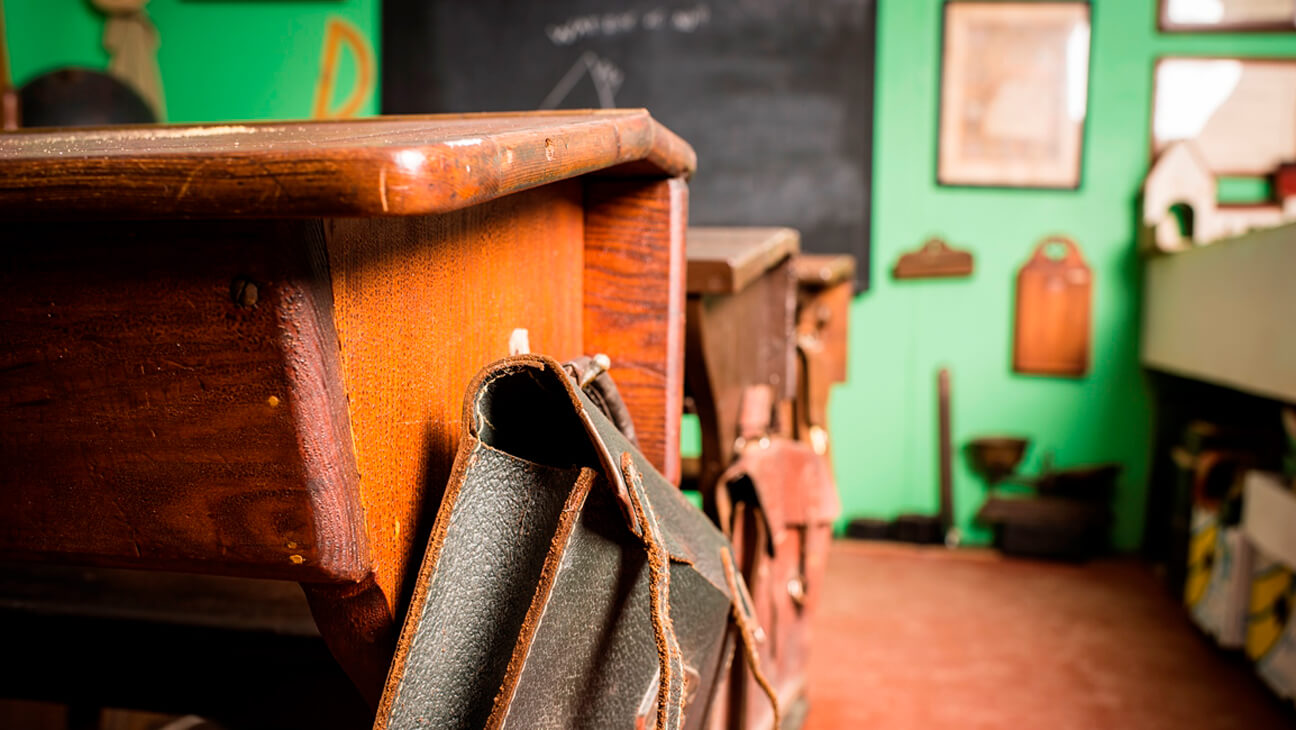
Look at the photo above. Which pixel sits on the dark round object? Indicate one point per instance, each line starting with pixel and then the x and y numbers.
pixel 80 97
pixel 996 457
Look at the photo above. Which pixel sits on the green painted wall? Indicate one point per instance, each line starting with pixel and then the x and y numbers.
pixel 884 419
pixel 220 60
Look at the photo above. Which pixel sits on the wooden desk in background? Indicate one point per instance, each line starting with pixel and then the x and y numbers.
pixel 242 349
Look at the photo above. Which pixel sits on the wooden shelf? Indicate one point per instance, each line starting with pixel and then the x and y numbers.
pixel 1226 313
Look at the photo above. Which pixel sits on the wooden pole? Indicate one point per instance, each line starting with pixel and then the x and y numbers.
pixel 946 453
pixel 8 94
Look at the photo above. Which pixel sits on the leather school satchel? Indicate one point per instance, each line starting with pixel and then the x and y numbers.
pixel 777 502
pixel 566 584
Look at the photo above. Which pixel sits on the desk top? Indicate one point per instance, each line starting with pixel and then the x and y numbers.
pixel 726 260
pixel 409 165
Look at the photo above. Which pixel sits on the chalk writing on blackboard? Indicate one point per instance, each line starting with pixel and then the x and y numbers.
pixel 606 25
pixel 606 76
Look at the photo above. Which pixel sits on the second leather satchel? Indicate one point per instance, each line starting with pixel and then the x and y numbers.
pixel 566 584
pixel 777 503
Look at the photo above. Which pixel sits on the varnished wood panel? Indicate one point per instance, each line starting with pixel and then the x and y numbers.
pixel 374 167
pixel 634 303
pixel 152 380
pixel 1052 324
pixel 421 304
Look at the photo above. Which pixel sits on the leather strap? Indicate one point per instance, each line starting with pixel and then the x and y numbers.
pixel 591 376
pixel 755 414
pixel 670 686
pixel 747 625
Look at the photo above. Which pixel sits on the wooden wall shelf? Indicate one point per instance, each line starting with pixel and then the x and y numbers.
pixel 1223 313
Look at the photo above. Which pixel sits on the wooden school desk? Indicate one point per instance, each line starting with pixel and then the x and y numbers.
pixel 241 349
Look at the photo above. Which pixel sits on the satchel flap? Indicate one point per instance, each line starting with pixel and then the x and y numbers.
pixel 530 581
pixel 686 532
pixel 475 586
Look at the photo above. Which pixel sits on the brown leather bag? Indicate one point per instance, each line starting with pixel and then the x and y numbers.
pixel 777 503
pixel 566 583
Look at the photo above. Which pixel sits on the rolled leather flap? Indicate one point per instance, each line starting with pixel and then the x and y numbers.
pixel 532 604
pixel 591 374
pixel 685 531
pixel 793 485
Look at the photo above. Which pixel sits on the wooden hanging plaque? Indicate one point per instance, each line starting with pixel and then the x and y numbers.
pixel 1053 304
pixel 934 260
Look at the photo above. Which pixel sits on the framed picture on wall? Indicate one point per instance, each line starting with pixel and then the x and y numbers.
pixel 1014 89
pixel 1239 113
pixel 1226 15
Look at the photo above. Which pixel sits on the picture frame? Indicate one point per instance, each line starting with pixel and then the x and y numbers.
pixel 1211 101
pixel 1014 94
pixel 1226 16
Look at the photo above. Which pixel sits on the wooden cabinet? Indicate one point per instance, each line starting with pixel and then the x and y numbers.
pixel 242 349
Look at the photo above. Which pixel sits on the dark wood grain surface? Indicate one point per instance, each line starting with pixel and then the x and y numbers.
pixel 388 166
pixel 421 304
pixel 170 399
pixel 825 284
pixel 634 303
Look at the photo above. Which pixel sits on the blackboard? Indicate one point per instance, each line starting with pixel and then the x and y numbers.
pixel 776 96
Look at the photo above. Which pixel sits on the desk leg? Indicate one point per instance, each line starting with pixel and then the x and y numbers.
pixel 359 629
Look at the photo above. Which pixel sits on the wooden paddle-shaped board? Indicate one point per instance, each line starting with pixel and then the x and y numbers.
pixel 1054 290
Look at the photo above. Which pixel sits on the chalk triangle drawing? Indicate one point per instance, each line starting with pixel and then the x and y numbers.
pixel 604 74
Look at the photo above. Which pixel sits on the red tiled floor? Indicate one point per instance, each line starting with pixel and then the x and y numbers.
pixel 924 638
